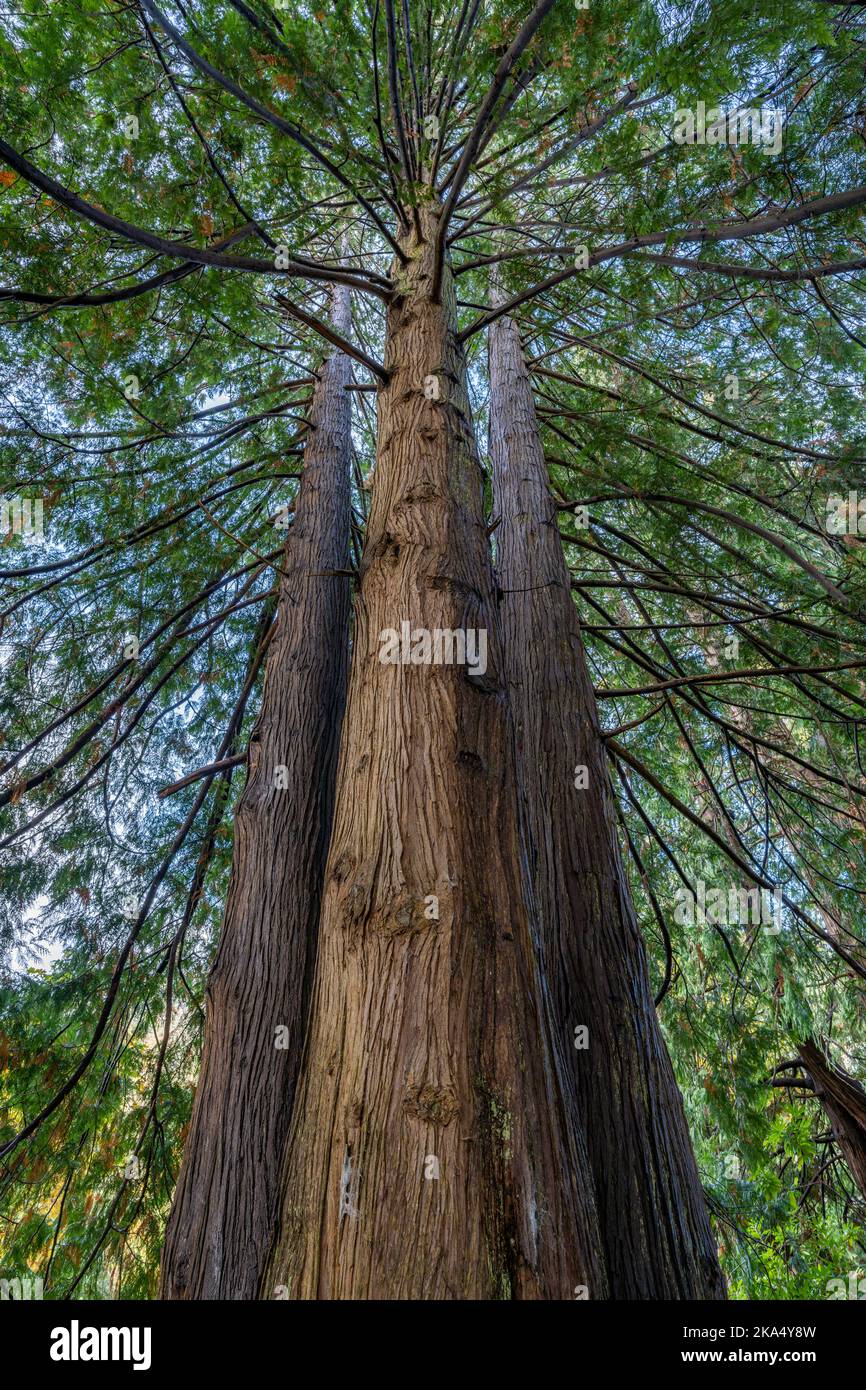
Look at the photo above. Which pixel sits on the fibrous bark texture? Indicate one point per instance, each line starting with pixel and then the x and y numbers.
pixel 225 1206
pixel 844 1103
pixel 429 1156
pixel 655 1232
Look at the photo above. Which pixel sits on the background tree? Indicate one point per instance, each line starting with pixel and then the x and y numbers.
pixel 225 1205
pixel 622 1093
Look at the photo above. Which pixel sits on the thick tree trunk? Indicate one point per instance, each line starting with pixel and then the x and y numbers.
pixel 843 1100
pixel 655 1230
pixel 225 1206
pixel 429 1156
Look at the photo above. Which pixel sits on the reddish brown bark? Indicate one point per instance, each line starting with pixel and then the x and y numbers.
pixel 225 1206
pixel 655 1232
pixel 428 1049
pixel 843 1100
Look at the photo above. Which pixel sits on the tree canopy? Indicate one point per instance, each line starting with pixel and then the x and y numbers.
pixel 179 187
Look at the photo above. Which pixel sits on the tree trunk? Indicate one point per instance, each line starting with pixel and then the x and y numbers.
pixel 225 1206
pixel 429 1156
pixel 843 1100
pixel 655 1230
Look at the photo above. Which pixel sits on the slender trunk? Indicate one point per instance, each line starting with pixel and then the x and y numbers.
pixel 655 1231
pixel 429 1156
pixel 225 1206
pixel 843 1100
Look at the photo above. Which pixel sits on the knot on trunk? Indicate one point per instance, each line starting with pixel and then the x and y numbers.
pixel 406 914
pixel 436 1105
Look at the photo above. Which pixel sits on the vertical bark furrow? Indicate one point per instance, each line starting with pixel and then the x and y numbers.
pixel 225 1205
pixel 622 1094
pixel 429 1156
